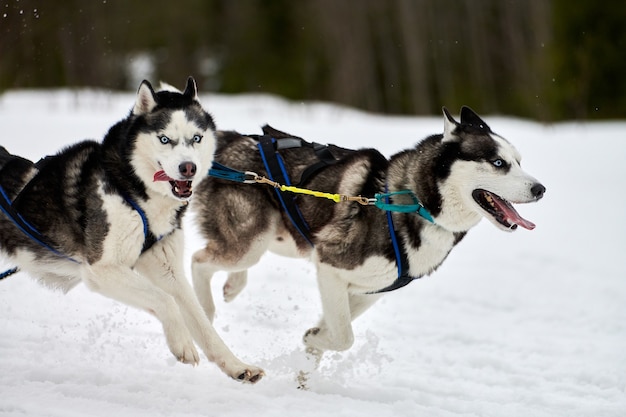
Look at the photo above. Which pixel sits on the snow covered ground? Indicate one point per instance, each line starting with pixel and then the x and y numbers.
pixel 528 324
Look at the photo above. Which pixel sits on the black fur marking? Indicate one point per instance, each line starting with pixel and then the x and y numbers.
pixel 471 123
pixel 61 202
pixel 117 148
pixel 62 199
pixel 344 235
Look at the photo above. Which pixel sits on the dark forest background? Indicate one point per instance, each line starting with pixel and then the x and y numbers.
pixel 542 59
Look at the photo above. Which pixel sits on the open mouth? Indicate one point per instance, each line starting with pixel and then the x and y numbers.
pixel 180 188
pixel 501 210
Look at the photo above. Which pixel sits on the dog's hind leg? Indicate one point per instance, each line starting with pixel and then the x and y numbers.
pixel 277 240
pixel 234 256
pixel 206 262
pixel 235 283
pixel 201 273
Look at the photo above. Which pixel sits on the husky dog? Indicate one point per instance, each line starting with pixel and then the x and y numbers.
pixel 109 215
pixel 360 251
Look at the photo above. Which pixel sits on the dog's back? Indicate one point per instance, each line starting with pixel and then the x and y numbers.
pixel 15 171
pixel 304 164
pixel 56 199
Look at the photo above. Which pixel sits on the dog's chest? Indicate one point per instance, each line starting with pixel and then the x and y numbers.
pixel 435 245
pixel 130 228
pixel 162 219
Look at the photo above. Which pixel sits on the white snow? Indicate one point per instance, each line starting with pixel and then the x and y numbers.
pixel 531 323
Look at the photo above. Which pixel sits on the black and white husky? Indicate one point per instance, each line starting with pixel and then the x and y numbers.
pixel 109 215
pixel 428 198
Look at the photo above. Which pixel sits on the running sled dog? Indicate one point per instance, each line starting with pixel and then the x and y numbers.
pixel 420 203
pixel 109 215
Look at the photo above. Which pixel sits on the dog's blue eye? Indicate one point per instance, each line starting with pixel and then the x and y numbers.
pixel 497 163
pixel 197 138
pixel 164 139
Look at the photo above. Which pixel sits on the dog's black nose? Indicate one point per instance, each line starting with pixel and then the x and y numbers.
pixel 187 169
pixel 538 190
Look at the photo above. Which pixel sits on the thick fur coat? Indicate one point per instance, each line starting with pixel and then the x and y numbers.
pixel 460 176
pixel 109 215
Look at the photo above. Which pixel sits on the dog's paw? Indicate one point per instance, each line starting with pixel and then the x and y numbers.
pixel 235 283
pixel 310 338
pixel 250 375
pixel 187 354
pixel 182 347
pixel 311 332
pixel 230 292
pixel 321 339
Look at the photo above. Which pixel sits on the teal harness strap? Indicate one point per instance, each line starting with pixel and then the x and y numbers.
pixel 226 173
pixel 382 202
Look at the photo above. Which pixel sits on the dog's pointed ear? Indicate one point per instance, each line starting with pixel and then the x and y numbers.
pixel 191 90
pixel 449 126
pixel 469 117
pixel 146 99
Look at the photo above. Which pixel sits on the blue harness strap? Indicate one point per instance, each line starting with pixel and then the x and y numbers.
pixel 402 260
pixel 6 206
pixel 277 172
pixel 9 272
pixel 149 237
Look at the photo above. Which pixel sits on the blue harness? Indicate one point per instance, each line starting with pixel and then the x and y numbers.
pixel 402 260
pixel 6 206
pixel 276 171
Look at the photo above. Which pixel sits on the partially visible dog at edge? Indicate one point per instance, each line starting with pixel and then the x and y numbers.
pixel 113 213
pixel 359 251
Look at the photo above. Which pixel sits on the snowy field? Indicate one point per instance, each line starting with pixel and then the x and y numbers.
pixel 528 324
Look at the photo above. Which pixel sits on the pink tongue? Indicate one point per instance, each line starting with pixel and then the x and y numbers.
pixel 161 176
pixel 513 217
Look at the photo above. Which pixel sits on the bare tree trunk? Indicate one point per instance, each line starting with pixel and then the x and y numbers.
pixel 413 24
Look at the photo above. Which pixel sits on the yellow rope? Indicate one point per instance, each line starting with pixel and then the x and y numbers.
pixel 337 198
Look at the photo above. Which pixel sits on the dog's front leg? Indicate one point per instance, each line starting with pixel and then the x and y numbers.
pixel 121 283
pixel 359 303
pixel 163 264
pixel 335 330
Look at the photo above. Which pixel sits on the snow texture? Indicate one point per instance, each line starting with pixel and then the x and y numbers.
pixel 528 324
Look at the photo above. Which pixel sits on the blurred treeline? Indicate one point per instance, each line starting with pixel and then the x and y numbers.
pixel 543 59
